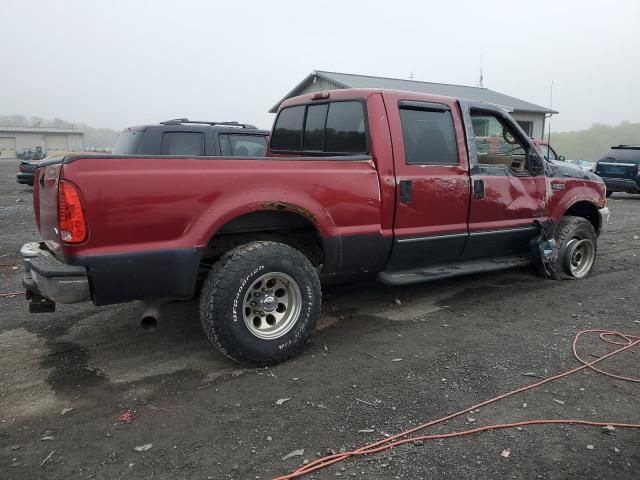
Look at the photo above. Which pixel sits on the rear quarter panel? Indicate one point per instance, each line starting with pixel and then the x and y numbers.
pixel 139 204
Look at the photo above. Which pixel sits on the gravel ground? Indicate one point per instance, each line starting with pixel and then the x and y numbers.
pixel 459 341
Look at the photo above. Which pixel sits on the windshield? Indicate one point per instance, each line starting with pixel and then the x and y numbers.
pixel 547 152
pixel 128 142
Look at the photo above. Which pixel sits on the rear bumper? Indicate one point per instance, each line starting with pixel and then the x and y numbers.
pixel 621 185
pixel 50 278
pixel 604 218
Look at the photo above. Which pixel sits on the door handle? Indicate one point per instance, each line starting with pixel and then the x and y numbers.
pixel 405 191
pixel 478 189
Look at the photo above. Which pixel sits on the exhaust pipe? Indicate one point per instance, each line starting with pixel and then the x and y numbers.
pixel 149 320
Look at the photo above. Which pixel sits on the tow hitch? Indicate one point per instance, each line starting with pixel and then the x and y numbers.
pixel 40 304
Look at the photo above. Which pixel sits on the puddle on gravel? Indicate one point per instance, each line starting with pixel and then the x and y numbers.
pixel 24 387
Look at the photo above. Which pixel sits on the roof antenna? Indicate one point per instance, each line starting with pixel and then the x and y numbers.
pixel 550 115
pixel 481 80
pixel 411 76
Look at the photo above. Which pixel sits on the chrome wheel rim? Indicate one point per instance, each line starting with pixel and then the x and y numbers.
pixel 272 305
pixel 581 255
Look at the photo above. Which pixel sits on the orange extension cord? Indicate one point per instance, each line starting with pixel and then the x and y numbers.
pixel 625 341
pixel 11 294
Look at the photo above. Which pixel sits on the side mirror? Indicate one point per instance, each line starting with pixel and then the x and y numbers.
pixel 535 165
pixel 562 158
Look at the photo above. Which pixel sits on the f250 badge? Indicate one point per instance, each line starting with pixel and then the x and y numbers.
pixel 557 186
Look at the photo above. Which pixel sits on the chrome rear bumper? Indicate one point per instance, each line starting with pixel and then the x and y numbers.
pixel 52 279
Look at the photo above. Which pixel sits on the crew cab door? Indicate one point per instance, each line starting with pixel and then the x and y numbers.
pixel 507 183
pixel 432 182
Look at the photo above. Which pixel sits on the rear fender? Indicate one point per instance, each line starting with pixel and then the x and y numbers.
pixel 236 205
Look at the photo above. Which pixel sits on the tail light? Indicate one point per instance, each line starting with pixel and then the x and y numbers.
pixel 36 196
pixel 71 222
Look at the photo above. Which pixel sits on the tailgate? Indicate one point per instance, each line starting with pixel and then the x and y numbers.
pixel 45 203
pixel 614 168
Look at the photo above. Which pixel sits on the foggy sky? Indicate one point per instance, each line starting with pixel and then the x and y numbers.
pixel 121 63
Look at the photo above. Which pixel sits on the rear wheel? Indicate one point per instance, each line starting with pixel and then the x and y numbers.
pixel 576 242
pixel 260 303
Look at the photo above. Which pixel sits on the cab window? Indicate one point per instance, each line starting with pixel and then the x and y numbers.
pixel 497 142
pixel 335 128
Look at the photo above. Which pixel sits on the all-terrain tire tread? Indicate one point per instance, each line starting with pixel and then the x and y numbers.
pixel 220 285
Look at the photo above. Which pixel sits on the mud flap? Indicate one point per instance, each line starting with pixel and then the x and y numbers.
pixel 544 247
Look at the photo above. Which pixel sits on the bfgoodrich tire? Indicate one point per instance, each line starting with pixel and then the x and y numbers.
pixel 260 303
pixel 576 242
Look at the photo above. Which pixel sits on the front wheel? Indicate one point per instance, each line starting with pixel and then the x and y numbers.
pixel 576 242
pixel 260 303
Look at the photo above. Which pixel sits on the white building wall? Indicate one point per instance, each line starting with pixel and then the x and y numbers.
pixel 75 141
pixel 28 140
pixel 320 85
pixel 536 118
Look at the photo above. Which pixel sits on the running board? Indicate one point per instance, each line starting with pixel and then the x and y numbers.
pixel 448 270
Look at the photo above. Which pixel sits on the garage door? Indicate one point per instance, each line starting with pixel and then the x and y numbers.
pixel 55 145
pixel 8 147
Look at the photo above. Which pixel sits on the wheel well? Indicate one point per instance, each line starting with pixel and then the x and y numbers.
pixel 290 228
pixel 586 210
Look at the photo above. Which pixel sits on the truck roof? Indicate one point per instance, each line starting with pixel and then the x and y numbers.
pixel 365 93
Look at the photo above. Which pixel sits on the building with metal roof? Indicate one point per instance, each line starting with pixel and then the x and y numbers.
pixel 14 140
pixel 530 116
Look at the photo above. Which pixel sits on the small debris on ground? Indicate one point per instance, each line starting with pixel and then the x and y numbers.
pixel 282 400
pixel 590 447
pixel 47 458
pixel 66 410
pixel 366 430
pixel 608 428
pixel 295 453
pixel 397 301
pixel 471 419
pixel 558 401
pixel 396 360
pixel 505 453
pixel 127 416
pixel 143 448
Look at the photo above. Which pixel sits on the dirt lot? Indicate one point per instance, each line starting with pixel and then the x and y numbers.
pixel 459 342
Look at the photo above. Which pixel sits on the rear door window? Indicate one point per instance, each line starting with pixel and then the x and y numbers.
pixel 183 143
pixel 429 137
pixel 239 145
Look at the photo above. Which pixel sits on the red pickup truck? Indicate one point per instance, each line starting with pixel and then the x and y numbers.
pixel 409 187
